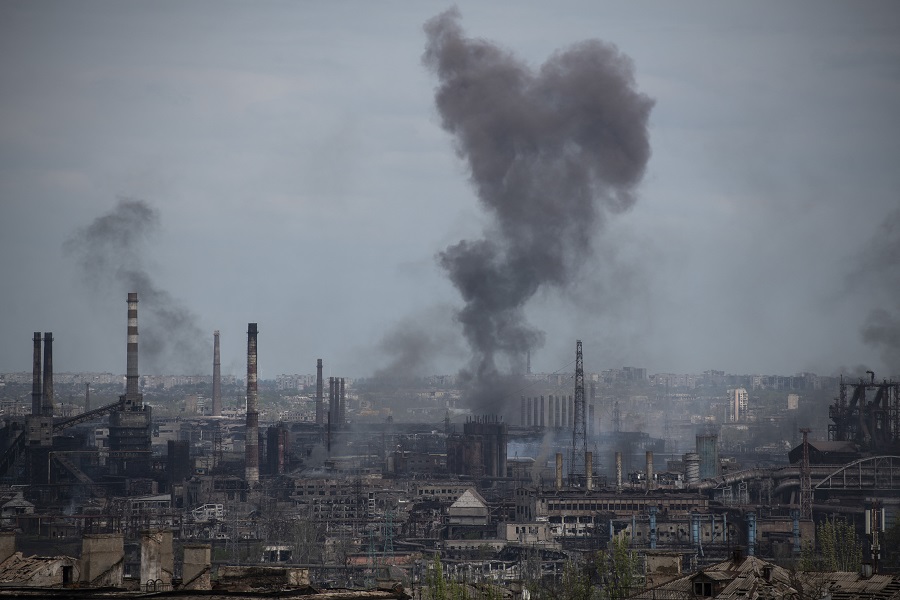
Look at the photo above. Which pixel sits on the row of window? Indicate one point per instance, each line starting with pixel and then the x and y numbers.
pixel 616 506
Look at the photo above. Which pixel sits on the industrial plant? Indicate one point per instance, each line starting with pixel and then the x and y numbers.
pixel 271 485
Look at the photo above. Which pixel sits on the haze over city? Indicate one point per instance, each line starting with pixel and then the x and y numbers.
pixel 287 164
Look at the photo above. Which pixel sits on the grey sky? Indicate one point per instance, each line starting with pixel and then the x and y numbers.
pixel 295 156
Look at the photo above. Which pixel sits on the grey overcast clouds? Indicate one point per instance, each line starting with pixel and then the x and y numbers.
pixel 285 163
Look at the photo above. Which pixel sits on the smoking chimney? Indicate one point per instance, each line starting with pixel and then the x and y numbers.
pixel 47 398
pixel 87 397
pixel 36 376
pixel 217 377
pixel 131 373
pixel 252 443
pixel 319 399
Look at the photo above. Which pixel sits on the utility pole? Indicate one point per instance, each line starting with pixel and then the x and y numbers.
pixel 579 431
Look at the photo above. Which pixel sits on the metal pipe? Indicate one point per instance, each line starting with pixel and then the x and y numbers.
pixel 251 449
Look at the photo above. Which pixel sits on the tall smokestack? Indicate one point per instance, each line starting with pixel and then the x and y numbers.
pixel 618 471
pixel 87 397
pixel 47 398
pixel 319 399
pixel 342 406
pixel 332 404
pixel 650 486
pixel 589 470
pixel 252 444
pixel 217 377
pixel 559 470
pixel 131 372
pixel 36 392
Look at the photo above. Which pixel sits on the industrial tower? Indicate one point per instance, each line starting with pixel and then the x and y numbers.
pixel 577 471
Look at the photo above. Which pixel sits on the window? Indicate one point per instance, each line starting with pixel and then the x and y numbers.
pixel 703 589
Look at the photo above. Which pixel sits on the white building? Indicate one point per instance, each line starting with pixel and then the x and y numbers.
pixel 737 404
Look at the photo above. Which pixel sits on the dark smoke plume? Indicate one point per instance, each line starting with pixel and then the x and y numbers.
pixel 880 270
pixel 549 154
pixel 110 253
pixel 414 346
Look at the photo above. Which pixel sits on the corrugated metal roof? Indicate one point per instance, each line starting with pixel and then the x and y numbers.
pixel 753 578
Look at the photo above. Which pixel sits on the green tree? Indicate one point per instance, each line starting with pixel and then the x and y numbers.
pixel 435 586
pixel 622 569
pixel 837 548
pixel 577 581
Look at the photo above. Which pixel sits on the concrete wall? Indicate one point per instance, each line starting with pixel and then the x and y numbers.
pixel 662 567
pixel 157 559
pixel 7 544
pixel 246 578
pixel 102 559
pixel 197 563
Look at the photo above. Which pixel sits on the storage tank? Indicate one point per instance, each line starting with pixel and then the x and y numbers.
pixel 708 449
pixel 691 468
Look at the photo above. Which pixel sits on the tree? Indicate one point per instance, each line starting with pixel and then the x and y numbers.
pixel 839 548
pixel 435 586
pixel 622 569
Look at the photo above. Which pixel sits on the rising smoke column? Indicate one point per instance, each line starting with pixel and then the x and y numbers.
pixel 110 254
pixel 549 153
pixel 880 265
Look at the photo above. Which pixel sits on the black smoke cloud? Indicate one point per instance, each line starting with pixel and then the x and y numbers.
pixel 414 346
pixel 880 272
pixel 110 253
pixel 550 153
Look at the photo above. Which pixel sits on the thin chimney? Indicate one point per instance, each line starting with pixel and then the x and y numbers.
pixel 332 403
pixel 87 397
pixel 131 373
pixel 559 471
pixel 252 438
pixel 618 471
pixel 342 406
pixel 47 398
pixel 319 399
pixel 36 392
pixel 217 377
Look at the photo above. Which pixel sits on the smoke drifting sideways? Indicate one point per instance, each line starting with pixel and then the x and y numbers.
pixel 110 253
pixel 550 154
pixel 880 266
pixel 416 346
